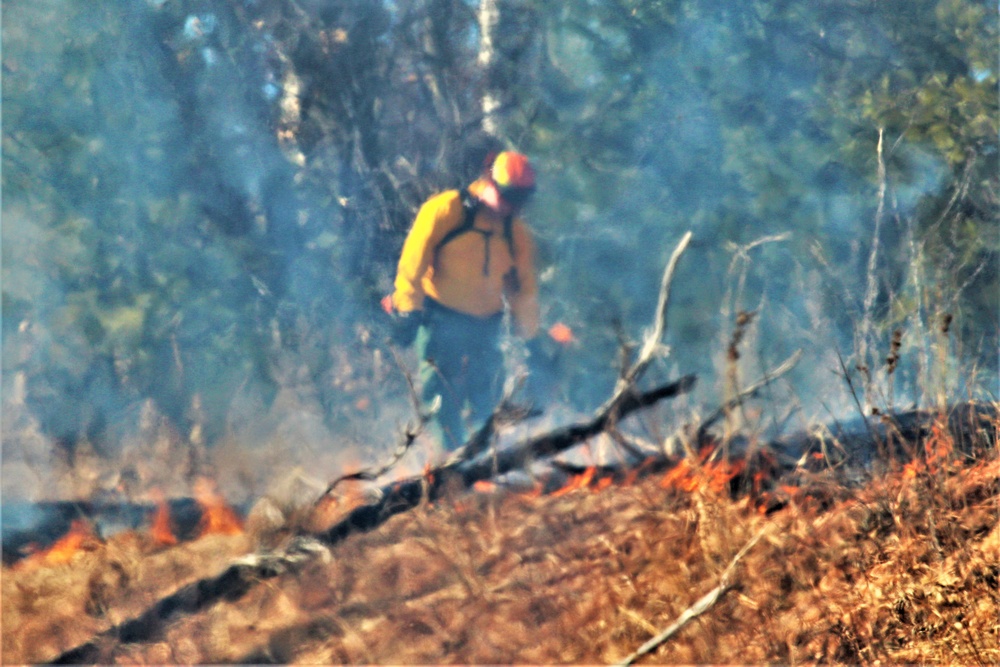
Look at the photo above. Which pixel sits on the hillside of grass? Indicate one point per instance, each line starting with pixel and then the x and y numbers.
pixel 899 565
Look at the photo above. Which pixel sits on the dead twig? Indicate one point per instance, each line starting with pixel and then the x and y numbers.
pixel 751 391
pixel 698 608
pixel 409 437
pixel 651 344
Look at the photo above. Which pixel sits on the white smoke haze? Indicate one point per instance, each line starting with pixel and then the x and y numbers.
pixel 192 254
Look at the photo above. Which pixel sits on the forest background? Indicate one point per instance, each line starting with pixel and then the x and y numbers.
pixel 203 201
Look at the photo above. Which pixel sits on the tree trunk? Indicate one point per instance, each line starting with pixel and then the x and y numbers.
pixel 505 38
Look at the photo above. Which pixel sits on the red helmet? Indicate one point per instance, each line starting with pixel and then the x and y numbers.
pixel 514 176
pixel 512 170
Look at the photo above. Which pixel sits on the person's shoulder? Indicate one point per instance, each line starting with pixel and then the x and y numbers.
pixel 444 208
pixel 521 226
pixel 445 200
pixel 522 232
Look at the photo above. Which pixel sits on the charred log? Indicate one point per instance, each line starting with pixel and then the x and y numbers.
pixel 407 494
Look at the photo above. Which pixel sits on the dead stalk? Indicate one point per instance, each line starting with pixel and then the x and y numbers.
pixel 871 290
pixel 652 342
pixel 751 391
pixel 698 608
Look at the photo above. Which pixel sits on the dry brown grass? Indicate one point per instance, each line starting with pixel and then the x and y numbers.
pixel 902 570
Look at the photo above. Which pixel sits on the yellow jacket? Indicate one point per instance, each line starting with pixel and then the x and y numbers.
pixel 457 274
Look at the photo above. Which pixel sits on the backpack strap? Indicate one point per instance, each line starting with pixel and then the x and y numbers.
pixel 470 206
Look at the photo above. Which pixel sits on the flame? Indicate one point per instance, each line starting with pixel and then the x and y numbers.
pixel 580 481
pixel 683 477
pixel 484 486
pixel 162 528
pixel 713 476
pixel 217 517
pixel 792 491
pixel 939 446
pixel 80 537
pixel 561 334
pixel 601 484
pixel 938 450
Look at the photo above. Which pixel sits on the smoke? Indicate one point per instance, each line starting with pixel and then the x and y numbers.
pixel 738 142
pixel 156 243
pixel 167 236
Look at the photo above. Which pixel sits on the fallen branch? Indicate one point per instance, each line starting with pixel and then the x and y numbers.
pixel 697 609
pixel 406 494
pixel 231 584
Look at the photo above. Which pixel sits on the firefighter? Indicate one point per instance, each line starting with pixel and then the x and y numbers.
pixel 466 256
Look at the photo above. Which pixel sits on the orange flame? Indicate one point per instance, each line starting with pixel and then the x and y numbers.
pixel 162 528
pixel 938 449
pixel 580 481
pixel 484 486
pixel 939 446
pixel 601 484
pixel 217 517
pixel 713 476
pixel 80 537
pixel 681 477
pixel 561 334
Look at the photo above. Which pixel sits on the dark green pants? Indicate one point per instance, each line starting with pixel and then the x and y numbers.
pixel 460 361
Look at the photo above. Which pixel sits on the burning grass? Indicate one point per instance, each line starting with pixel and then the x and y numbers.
pixel 903 569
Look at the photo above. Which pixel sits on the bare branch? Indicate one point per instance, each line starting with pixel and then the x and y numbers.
pixel 697 609
pixel 751 391
pixel 409 437
pixel 651 343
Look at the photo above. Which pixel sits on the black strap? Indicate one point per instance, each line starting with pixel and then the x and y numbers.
pixel 470 206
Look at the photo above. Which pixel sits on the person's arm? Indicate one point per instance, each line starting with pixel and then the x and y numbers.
pixel 428 229
pixel 542 358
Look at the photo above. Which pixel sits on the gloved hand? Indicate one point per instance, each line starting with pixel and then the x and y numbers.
pixel 404 325
pixel 542 371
